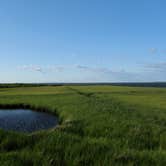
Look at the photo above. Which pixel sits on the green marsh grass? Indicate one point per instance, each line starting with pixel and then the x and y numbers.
pixel 99 125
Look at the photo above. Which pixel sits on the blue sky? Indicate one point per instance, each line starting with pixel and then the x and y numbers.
pixel 82 40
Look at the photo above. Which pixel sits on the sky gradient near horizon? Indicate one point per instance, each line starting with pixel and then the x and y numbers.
pixel 82 40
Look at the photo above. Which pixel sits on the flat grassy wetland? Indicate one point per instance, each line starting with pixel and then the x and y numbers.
pixel 98 125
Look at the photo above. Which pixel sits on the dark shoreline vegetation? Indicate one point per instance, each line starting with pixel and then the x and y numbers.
pixel 100 125
pixel 129 84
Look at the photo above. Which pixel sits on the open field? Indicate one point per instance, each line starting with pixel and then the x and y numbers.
pixel 99 125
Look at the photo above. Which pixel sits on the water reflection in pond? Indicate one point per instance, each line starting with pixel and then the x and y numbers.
pixel 22 120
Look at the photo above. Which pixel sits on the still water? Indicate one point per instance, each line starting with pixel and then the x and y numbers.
pixel 25 120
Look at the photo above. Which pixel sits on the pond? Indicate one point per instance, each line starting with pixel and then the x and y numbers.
pixel 25 120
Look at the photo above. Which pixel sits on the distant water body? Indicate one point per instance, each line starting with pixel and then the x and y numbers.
pixel 23 120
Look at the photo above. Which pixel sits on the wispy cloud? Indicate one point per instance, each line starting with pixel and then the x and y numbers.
pixel 150 72
pixel 153 50
pixel 94 69
pixel 42 69
pixel 156 67
pixel 31 68
pixel 157 51
pixel 61 68
pixel 111 75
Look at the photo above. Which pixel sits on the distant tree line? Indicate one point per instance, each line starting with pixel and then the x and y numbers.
pixel 15 85
pixel 133 84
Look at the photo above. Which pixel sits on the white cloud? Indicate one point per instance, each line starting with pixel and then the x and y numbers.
pixel 153 50
pixel 31 68
pixel 156 67
pixel 93 69
pixel 85 73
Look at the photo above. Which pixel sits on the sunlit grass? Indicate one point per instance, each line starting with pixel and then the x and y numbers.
pixel 100 125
